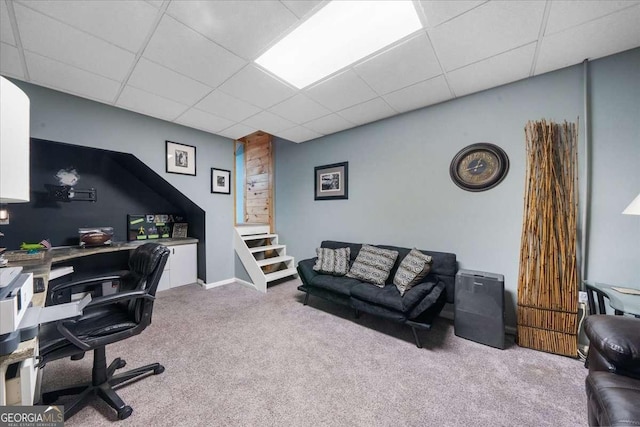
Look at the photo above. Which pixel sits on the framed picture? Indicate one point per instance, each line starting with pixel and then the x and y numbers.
pixel 179 230
pixel 331 182
pixel 181 158
pixel 220 181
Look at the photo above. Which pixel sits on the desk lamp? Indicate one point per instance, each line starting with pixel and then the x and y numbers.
pixel 14 146
pixel 634 207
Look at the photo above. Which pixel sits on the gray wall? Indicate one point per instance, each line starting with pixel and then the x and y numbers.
pixel 614 239
pixel 65 118
pixel 401 193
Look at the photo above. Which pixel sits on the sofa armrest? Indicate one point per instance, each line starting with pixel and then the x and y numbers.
pixel 617 340
pixel 306 271
pixel 429 300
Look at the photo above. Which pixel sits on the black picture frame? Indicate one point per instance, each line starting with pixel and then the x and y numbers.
pixel 180 158
pixel 331 182
pixel 220 181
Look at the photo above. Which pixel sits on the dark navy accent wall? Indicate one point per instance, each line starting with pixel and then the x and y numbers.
pixel 123 183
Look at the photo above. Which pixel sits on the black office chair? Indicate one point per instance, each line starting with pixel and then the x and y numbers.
pixel 105 320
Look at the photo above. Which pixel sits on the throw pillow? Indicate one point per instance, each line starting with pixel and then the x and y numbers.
pixel 373 265
pixel 333 261
pixel 413 268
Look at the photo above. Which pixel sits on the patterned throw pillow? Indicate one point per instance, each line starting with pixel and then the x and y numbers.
pixel 413 268
pixel 373 265
pixel 333 261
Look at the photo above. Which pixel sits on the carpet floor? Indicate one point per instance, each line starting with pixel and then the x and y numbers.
pixel 236 357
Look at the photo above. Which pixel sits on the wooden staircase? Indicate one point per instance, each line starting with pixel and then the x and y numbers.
pixel 262 256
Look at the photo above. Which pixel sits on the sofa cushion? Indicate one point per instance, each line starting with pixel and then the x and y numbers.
pixel 413 268
pixel 389 296
pixel 341 285
pixel 332 261
pixel 373 265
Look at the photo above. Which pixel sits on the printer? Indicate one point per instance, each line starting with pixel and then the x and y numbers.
pixel 19 321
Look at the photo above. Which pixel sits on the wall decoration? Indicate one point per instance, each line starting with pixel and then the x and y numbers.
pixel 151 226
pixel 479 167
pixel 548 276
pixel 331 182
pixel 179 230
pixel 181 158
pixel 220 181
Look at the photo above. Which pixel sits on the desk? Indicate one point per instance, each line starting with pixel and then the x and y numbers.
pixel 41 268
pixel 621 303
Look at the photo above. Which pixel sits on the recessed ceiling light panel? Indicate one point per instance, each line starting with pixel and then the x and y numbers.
pixel 338 35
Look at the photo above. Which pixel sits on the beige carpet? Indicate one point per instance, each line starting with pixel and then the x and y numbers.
pixel 236 357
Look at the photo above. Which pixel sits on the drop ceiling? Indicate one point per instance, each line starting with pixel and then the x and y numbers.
pixel 192 62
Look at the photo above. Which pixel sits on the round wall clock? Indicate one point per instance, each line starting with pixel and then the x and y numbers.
pixel 479 167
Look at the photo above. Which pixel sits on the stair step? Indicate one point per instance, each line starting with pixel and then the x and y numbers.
pixel 265 248
pixel 274 260
pixel 258 236
pixel 280 274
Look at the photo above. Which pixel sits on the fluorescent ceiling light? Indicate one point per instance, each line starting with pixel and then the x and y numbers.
pixel 338 35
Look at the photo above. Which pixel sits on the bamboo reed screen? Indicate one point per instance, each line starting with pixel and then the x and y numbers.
pixel 548 278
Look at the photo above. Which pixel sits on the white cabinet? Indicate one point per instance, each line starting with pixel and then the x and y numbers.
pixel 181 268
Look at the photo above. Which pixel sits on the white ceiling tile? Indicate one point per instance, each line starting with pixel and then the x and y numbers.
pixel 403 65
pixel 223 105
pixel 147 103
pixel 123 23
pixel 50 38
pixel 155 3
pixel 367 112
pixel 10 63
pixel 302 8
pixel 203 121
pixel 162 81
pixel 54 74
pixel 419 95
pixel 299 109
pixel 605 36
pixel 438 12
pixel 244 27
pixel 299 134
pixel 487 30
pixel 268 122
pixel 495 71
pixel 182 49
pixel 341 91
pixel 6 31
pixel 257 87
pixel 329 124
pixel 566 14
pixel 237 131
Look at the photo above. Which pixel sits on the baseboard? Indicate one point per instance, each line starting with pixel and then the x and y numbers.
pixel 509 330
pixel 226 282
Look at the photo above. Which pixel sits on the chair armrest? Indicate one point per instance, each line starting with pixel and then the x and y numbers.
pixel 87 282
pixel 617 340
pixel 62 325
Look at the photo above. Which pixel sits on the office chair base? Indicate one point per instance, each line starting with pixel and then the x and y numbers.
pixel 101 386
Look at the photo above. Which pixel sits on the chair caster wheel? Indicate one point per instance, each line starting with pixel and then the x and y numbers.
pixel 121 364
pixel 125 412
pixel 158 370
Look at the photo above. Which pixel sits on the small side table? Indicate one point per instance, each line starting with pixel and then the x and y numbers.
pixel 620 302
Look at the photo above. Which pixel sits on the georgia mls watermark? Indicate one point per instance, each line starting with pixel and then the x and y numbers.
pixel 32 416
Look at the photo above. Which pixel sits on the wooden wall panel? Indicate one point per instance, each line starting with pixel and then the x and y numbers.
pixel 258 193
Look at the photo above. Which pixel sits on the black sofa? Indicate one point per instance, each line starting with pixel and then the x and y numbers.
pixel 613 383
pixel 417 308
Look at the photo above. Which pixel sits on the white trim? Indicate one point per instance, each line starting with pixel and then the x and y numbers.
pixel 225 282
